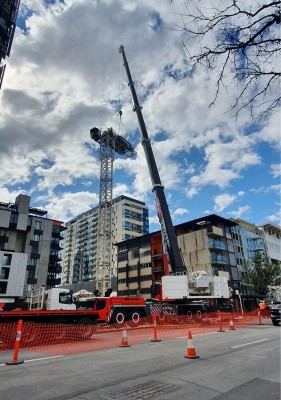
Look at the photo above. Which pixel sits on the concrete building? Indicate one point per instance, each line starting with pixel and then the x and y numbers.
pixel 251 239
pixel 29 249
pixel 272 239
pixel 129 220
pixel 206 245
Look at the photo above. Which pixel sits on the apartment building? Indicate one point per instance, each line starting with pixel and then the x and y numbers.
pixel 129 220
pixel 250 239
pixel 206 245
pixel 29 249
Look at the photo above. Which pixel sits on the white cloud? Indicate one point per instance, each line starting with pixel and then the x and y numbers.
pixel 65 76
pixel 180 211
pixel 69 205
pixel 224 200
pixel 240 212
pixel 276 170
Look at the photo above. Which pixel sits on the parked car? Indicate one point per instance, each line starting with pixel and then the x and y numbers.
pixel 275 313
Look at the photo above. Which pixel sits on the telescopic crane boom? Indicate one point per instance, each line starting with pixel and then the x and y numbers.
pixel 168 231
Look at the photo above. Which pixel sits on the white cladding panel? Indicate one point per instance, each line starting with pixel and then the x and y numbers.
pixel 5 218
pixel 175 287
pixel 22 222
pixel 219 288
pixel 17 274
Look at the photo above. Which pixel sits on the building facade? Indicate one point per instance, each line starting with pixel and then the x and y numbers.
pixel 29 249
pixel 129 220
pixel 8 17
pixel 206 245
pixel 251 239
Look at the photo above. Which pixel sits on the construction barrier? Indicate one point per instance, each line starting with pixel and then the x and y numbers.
pixel 191 353
pixel 155 330
pixel 68 338
pixel 231 325
pixel 124 341
pixel 220 323
pixel 15 360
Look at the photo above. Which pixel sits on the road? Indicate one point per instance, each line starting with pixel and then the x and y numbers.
pixel 235 364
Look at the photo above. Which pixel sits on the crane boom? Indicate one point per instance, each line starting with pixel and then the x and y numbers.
pixel 168 231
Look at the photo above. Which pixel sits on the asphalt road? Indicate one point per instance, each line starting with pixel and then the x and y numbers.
pixel 232 365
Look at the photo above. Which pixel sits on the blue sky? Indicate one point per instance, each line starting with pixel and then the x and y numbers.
pixel 65 75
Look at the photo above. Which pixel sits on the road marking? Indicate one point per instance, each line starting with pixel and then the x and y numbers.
pixel 197 334
pixel 246 344
pixel 38 359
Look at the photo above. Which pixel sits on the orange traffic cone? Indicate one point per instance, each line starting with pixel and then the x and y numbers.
pixel 124 341
pixel 231 325
pixel 191 353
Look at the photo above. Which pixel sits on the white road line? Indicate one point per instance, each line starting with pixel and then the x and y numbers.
pixel 246 344
pixel 197 334
pixel 38 359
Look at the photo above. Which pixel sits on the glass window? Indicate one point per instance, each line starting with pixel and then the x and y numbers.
pixel 38 225
pixel 65 298
pixel 14 218
pixel 7 259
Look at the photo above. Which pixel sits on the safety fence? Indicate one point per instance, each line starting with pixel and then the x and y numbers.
pixel 52 339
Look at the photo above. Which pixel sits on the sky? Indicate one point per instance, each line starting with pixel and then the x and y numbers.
pixel 65 75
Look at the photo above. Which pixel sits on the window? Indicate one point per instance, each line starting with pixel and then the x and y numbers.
pixel 65 298
pixel 7 259
pixel 3 232
pixel 38 225
pixel 100 304
pixel 36 238
pixel 14 218
pixel 4 273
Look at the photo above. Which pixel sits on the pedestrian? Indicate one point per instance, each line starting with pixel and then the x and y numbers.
pixel 262 307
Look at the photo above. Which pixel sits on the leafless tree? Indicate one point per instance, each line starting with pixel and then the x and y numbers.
pixel 239 40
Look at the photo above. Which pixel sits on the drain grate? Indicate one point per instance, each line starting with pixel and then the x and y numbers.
pixel 145 391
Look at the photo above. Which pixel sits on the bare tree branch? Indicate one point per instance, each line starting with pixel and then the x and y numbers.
pixel 240 40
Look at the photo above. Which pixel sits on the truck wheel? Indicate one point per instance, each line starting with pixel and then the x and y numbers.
pixel 120 317
pixel 189 314
pixel 88 328
pixel 199 314
pixel 28 333
pixel 60 332
pixel 134 318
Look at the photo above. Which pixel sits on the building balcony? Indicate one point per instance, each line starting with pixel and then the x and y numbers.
pixel 38 232
pixel 35 255
pixel 55 269
pixel 215 244
pixel 4 239
pixel 53 281
pixel 215 259
pixel 214 231
pixel 31 268
pixel 31 281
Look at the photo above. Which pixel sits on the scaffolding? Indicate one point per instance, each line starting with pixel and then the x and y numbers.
pixel 109 143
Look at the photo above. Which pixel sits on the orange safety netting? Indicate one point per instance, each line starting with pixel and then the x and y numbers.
pixel 70 338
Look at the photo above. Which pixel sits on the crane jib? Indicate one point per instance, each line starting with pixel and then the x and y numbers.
pixel 167 229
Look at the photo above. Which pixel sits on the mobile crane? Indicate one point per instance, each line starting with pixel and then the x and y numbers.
pixel 169 239
pixel 179 285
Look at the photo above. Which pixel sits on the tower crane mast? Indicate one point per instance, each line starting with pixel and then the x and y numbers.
pixel 169 238
pixel 109 143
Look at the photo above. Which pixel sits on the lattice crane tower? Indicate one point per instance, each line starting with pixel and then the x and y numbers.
pixel 109 143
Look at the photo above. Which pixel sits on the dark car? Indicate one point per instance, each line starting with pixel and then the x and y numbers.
pixel 276 313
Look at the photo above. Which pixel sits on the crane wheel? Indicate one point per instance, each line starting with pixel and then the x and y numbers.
pixel 134 318
pixel 120 318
